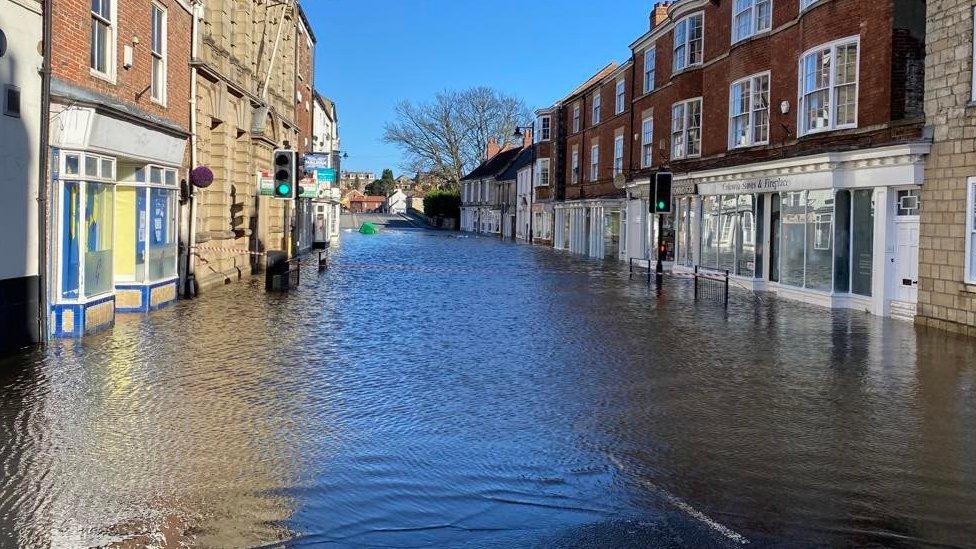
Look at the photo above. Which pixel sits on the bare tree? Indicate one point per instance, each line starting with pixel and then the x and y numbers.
pixel 448 136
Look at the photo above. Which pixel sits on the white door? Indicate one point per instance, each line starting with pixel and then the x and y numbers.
pixel 906 262
pixel 907 208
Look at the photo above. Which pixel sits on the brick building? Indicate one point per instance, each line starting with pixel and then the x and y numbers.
pixel 794 132
pixel 597 121
pixel 947 248
pixel 246 76
pixel 119 132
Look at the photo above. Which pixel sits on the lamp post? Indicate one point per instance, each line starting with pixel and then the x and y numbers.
pixel 518 134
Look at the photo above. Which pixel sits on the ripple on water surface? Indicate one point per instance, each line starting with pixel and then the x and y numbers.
pixel 443 391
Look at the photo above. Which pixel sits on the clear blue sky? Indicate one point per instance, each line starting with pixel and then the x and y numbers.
pixel 372 54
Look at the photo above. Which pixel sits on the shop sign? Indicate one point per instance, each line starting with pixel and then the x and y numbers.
pixel 308 187
pixel 265 183
pixel 769 184
pixel 325 176
pixel 683 189
pixel 316 161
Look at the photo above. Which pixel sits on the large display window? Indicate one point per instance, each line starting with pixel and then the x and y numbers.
pixel 146 208
pixel 86 202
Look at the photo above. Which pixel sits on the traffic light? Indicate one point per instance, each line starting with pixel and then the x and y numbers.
pixel 662 193
pixel 285 174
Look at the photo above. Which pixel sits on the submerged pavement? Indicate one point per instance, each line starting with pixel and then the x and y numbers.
pixel 438 390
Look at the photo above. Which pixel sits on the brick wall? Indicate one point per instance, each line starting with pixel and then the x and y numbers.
pixel 70 61
pixel 884 113
pixel 944 299
pixel 303 89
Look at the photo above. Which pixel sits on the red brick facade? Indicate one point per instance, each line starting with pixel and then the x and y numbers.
pixel 889 100
pixel 72 30
pixel 304 93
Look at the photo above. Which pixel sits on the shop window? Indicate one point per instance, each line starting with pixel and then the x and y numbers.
pixel 99 208
pixel 70 239
pixel 793 237
pixel 162 233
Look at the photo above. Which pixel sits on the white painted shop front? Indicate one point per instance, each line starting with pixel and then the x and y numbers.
pixel 835 229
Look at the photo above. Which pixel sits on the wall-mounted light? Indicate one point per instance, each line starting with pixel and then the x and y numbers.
pixel 784 107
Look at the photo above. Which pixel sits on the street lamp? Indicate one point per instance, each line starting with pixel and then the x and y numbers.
pixel 518 134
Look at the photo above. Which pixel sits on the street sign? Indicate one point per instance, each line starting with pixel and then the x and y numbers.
pixel 325 175
pixel 316 161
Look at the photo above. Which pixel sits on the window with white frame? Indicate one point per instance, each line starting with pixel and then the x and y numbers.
pixel 828 87
pixel 749 111
pixel 102 45
pixel 971 232
pixel 157 47
pixel 621 96
pixel 542 171
pixel 688 42
pixel 575 167
pixel 597 106
pixel 650 64
pixel 545 128
pixel 686 129
pixel 618 155
pixel 750 17
pixel 594 162
pixel 576 118
pixel 647 142
pixel 804 4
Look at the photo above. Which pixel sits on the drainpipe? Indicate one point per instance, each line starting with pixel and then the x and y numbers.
pixel 190 290
pixel 44 182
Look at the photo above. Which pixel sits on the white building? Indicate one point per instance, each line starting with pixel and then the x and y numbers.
pixel 325 140
pixel 396 203
pixel 20 117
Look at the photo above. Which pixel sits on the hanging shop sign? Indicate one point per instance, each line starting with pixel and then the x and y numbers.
pixel 265 183
pixel 315 161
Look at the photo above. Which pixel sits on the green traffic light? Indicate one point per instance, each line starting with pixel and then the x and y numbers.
pixel 660 206
pixel 284 189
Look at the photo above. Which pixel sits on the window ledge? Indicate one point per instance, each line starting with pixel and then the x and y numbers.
pixel 689 68
pixel 968 288
pixel 760 34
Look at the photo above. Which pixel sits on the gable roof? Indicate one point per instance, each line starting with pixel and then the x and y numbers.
pixel 494 166
pixel 526 157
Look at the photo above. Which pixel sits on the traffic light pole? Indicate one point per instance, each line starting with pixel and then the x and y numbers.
pixel 659 276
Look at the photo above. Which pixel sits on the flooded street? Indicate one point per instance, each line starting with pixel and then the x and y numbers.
pixel 437 391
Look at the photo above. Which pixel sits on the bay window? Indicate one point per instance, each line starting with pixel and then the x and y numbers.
pixel 829 87
pixel 750 17
pixel 686 129
pixel 749 111
pixel 688 42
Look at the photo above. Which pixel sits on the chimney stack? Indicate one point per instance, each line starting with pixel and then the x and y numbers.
pixel 660 13
pixel 527 138
pixel 493 148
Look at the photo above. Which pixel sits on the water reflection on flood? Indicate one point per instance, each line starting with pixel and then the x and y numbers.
pixel 439 391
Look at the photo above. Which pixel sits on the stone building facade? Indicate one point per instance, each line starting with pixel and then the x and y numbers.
pixel 947 260
pixel 247 78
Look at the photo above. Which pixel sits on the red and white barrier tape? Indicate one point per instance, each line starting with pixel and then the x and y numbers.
pixel 228 250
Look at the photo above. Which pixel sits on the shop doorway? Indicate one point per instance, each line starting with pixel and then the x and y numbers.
pixel 611 235
pixel 774 229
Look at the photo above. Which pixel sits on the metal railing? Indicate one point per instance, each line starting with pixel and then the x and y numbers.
pixel 711 284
